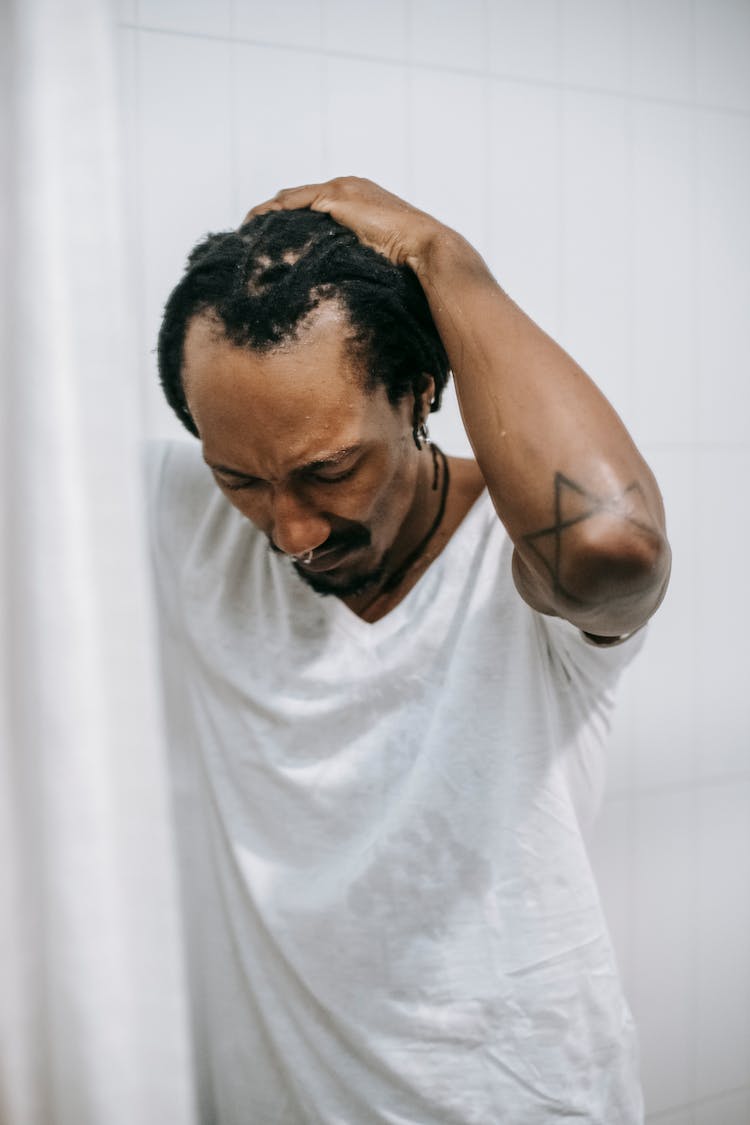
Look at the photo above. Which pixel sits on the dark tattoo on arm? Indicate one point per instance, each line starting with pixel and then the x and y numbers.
pixel 572 505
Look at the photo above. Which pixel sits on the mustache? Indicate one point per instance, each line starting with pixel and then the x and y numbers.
pixel 348 540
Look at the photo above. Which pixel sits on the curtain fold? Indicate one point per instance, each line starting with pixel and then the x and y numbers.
pixel 93 1011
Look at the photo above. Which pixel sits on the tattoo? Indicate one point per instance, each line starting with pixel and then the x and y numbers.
pixel 573 505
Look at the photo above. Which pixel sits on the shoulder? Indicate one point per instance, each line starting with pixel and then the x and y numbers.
pixel 174 472
pixel 169 456
pixel 178 488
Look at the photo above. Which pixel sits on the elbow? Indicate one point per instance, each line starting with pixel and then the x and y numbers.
pixel 623 563
pixel 623 572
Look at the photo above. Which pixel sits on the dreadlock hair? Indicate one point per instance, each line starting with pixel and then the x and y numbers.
pixel 263 280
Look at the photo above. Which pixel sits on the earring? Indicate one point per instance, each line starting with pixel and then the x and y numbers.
pixel 421 435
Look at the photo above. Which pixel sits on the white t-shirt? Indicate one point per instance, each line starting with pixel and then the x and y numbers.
pixel 391 916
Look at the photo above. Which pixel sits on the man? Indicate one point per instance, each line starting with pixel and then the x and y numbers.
pixel 387 728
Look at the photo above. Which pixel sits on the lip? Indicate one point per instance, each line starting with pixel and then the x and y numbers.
pixel 329 560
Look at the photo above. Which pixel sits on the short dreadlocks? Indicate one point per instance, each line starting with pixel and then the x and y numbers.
pixel 263 280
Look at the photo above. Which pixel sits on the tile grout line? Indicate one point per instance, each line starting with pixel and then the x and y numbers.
pixel 518 80
pixel 694 803
pixel 631 814
pixel 665 789
pixel 703 1103
pixel 409 126
pixel 487 126
pixel 324 151
pixel 234 140
pixel 139 263
pixel 560 156
pixel 700 446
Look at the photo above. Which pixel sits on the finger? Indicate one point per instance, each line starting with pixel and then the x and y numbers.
pixel 289 199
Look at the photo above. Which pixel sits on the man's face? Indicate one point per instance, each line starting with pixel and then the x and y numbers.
pixel 302 450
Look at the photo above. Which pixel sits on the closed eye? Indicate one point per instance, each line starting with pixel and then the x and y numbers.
pixel 254 482
pixel 317 472
pixel 251 482
pixel 323 479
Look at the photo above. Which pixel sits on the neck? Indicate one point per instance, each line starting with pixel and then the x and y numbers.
pixel 415 554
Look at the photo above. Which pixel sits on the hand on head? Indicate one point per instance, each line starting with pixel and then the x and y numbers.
pixel 381 220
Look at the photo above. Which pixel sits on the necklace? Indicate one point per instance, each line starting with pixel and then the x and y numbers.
pixel 393 580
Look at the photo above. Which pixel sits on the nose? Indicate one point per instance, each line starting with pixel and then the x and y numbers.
pixel 297 528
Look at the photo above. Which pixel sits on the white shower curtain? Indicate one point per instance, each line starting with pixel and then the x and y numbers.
pixel 92 997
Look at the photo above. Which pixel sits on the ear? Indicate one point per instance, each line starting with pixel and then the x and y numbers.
pixel 424 393
pixel 419 406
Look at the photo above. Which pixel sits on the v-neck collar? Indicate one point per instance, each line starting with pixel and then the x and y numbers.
pixel 423 589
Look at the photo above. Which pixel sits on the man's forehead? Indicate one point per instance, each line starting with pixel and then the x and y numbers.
pixel 268 414
pixel 328 320
pixel 320 360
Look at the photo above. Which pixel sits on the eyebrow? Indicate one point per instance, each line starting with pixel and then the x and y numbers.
pixel 329 461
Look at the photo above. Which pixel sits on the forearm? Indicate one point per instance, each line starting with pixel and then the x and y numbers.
pixel 578 500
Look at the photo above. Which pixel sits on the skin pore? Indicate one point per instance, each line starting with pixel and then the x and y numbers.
pixel 317 462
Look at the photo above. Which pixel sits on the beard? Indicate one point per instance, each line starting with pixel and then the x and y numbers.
pixel 344 586
pixel 340 585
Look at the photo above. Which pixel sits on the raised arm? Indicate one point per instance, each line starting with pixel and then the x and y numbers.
pixel 579 502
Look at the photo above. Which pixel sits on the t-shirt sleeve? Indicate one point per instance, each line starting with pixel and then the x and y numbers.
pixel 584 677
pixel 597 666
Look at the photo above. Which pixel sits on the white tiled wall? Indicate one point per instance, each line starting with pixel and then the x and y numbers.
pixel 365 122
pixel 598 154
pixel 663 265
pixel 278 114
pixel 723 280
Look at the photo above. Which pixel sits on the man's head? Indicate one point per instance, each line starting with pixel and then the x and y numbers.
pixel 264 280
pixel 284 345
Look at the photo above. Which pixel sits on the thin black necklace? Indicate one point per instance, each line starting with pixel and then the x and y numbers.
pixel 400 571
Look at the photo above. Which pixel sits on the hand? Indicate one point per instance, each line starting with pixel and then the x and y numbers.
pixel 379 219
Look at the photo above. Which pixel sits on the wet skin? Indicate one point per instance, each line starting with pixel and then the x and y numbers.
pixel 317 462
